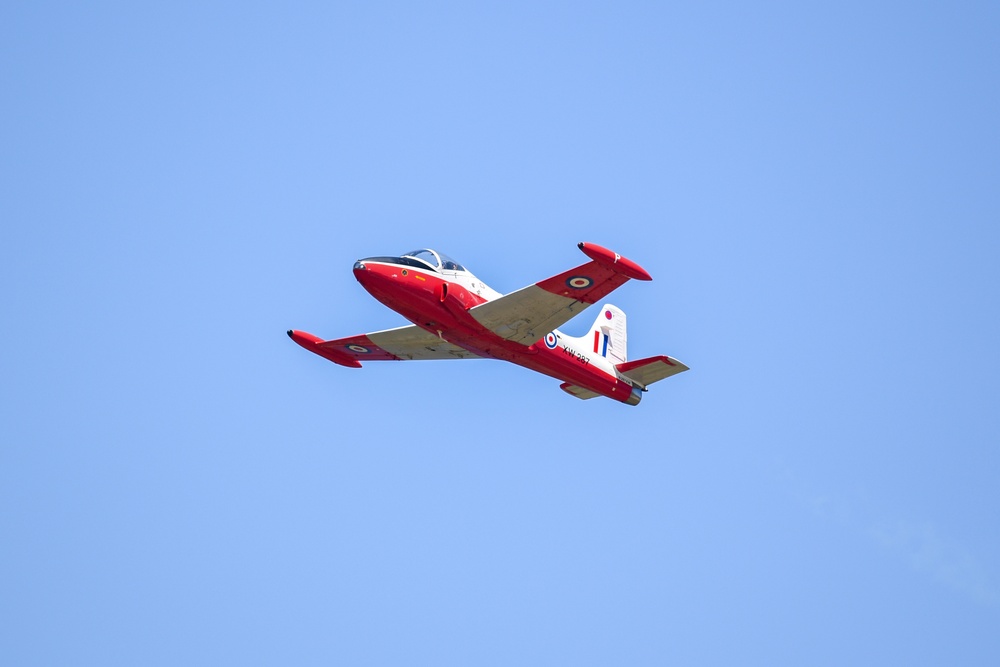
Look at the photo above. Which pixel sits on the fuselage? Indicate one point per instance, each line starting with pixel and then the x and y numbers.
pixel 436 293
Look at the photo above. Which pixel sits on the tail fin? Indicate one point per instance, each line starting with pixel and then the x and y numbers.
pixel 607 338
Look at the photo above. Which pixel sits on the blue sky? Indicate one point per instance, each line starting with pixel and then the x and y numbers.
pixel 812 187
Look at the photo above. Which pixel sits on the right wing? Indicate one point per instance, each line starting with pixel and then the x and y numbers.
pixel 410 342
pixel 528 314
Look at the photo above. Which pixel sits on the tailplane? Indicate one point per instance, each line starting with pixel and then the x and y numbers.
pixel 607 338
pixel 645 372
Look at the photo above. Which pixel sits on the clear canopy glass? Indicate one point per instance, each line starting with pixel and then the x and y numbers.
pixel 436 260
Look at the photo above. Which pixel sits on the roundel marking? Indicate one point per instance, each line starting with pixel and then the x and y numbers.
pixel 405 272
pixel 360 349
pixel 607 314
pixel 551 341
pixel 580 282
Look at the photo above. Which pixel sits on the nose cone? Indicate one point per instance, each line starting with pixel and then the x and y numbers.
pixel 378 278
pixel 366 273
pixel 375 269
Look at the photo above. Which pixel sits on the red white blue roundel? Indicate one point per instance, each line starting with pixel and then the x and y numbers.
pixel 550 341
pixel 607 314
pixel 360 349
pixel 580 282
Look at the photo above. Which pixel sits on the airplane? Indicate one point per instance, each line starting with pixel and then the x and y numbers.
pixel 455 315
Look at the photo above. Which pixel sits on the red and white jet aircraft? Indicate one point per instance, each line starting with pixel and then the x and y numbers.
pixel 457 316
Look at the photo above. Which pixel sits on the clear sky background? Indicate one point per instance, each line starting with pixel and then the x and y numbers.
pixel 813 186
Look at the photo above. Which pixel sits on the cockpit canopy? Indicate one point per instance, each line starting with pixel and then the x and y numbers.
pixel 436 260
pixel 423 258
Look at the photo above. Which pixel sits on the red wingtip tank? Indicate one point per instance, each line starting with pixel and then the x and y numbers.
pixel 311 343
pixel 614 261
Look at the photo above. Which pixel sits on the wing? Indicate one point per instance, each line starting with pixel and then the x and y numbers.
pixel 528 314
pixel 404 343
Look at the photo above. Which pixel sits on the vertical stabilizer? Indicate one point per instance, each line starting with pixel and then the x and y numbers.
pixel 607 338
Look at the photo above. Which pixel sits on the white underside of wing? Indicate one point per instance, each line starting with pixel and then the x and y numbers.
pixel 414 343
pixel 526 315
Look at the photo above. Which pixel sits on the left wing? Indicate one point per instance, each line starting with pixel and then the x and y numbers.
pixel 410 342
pixel 528 314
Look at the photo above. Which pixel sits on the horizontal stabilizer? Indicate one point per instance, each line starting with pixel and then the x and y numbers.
pixel 579 392
pixel 645 372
